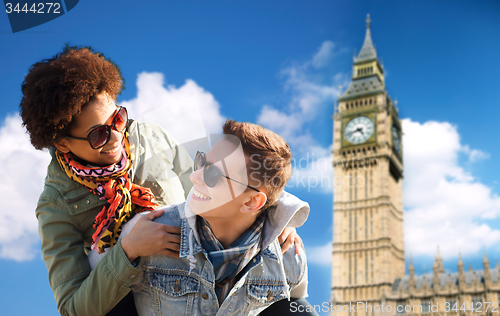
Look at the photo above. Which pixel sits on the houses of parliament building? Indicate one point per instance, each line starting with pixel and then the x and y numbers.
pixel 368 257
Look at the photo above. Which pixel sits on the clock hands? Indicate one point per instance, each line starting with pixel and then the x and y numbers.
pixel 359 129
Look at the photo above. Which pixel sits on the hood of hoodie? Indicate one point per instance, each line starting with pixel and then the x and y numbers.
pixel 287 211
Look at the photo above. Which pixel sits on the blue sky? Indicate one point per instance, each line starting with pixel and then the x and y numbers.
pixel 280 64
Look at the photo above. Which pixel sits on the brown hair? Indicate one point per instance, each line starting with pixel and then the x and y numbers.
pixel 55 90
pixel 268 157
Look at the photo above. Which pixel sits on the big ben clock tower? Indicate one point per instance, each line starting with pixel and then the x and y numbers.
pixel 368 241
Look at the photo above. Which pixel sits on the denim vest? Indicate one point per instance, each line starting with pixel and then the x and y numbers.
pixel 185 286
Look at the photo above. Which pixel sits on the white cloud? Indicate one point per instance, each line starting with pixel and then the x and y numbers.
pixel 325 52
pixel 321 255
pixel 283 123
pixel 475 154
pixel 22 173
pixel 444 204
pixel 310 97
pixel 308 94
pixel 188 112
pixel 313 171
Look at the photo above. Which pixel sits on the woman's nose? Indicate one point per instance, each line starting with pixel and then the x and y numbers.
pixel 115 136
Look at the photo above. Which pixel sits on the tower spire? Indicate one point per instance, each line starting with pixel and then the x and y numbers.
pixel 461 273
pixel 438 262
pixel 368 50
pixel 411 281
pixel 368 73
pixel 486 267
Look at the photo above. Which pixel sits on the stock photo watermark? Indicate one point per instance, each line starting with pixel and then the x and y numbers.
pixel 313 173
pixel 365 307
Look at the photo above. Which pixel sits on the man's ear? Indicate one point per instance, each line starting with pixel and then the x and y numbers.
pixel 62 145
pixel 254 203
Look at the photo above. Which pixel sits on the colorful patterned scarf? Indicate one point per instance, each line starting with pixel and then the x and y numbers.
pixel 113 184
pixel 229 262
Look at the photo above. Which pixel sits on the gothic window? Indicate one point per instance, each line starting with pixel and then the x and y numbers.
pixel 355 185
pixel 426 306
pixel 372 266
pixel 350 187
pixel 350 227
pixel 371 183
pixel 350 269
pixel 366 184
pixel 477 301
pixel 366 269
pixel 366 225
pixel 451 303
pixel 371 223
pixel 355 269
pixel 355 227
pixel 400 307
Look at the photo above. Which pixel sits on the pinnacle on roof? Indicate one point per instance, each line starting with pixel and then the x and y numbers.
pixel 485 258
pixel 438 263
pixel 368 50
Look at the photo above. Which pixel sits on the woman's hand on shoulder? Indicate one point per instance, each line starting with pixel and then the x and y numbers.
pixel 288 238
pixel 150 238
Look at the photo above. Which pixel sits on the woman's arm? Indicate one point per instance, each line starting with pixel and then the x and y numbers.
pixel 77 290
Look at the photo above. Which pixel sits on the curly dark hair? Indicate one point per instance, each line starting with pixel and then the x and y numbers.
pixel 55 90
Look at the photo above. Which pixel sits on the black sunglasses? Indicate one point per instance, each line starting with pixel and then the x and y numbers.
pixel 99 136
pixel 211 174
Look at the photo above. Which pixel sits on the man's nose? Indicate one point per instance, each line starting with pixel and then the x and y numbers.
pixel 197 177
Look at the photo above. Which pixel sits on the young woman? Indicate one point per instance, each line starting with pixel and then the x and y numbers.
pixel 104 169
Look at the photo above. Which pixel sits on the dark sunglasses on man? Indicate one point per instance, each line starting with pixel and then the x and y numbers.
pixel 99 136
pixel 211 174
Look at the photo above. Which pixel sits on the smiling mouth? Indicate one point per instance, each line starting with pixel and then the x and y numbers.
pixel 111 151
pixel 200 195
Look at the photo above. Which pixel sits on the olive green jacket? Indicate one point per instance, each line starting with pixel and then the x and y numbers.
pixel 66 211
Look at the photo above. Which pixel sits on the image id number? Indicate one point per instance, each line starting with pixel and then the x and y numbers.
pixel 47 7
pixel 478 308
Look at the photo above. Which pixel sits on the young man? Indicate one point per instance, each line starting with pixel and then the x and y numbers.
pixel 230 258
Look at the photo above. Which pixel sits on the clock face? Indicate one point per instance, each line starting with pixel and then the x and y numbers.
pixel 396 141
pixel 358 130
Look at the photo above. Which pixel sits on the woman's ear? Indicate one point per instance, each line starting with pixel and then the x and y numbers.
pixel 62 146
pixel 254 203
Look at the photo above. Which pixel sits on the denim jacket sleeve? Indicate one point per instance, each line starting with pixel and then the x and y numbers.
pixel 77 290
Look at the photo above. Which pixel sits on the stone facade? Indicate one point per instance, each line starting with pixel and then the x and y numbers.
pixel 463 293
pixel 368 262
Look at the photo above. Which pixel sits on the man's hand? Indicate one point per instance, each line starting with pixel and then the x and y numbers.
pixel 289 237
pixel 149 238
